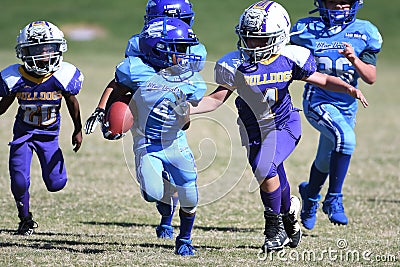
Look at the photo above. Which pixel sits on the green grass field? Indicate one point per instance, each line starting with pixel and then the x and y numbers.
pixel 100 219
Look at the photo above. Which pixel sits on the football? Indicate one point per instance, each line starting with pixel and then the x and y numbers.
pixel 119 118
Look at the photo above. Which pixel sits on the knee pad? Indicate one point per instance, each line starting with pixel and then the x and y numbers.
pixel 348 145
pixel 261 174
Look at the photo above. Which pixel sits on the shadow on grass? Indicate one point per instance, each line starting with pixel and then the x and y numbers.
pixel 204 228
pixel 50 245
pixel 37 240
pixel 68 245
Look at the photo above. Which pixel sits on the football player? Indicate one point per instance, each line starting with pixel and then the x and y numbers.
pixel 345 47
pixel 261 71
pixel 162 81
pixel 181 9
pixel 39 85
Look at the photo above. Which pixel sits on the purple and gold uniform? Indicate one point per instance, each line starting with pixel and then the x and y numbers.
pixel 266 113
pixel 37 124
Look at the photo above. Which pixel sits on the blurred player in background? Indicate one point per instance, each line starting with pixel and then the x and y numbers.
pixel 345 47
pixel 261 72
pixel 181 9
pixel 39 85
pixel 161 81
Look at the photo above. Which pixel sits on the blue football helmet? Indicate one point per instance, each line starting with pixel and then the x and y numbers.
pixel 167 41
pixel 337 17
pixel 181 9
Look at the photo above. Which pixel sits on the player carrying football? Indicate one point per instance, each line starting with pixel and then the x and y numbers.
pixel 261 72
pixel 161 81
pixel 39 85
pixel 345 47
pixel 181 9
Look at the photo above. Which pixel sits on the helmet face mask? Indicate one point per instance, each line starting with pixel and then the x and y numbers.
pixel 263 30
pixel 166 42
pixel 40 46
pixel 181 9
pixel 338 17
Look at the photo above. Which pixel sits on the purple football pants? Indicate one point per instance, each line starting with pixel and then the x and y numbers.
pixel 51 161
pixel 277 145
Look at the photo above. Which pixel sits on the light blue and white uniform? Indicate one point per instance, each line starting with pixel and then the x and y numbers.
pixel 332 113
pixel 132 49
pixel 160 144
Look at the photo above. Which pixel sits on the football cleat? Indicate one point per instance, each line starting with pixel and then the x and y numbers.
pixel 333 207
pixel 309 207
pixel 184 247
pixel 26 225
pixel 291 224
pixel 165 231
pixel 275 234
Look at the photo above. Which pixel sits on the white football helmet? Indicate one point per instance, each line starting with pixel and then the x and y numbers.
pixel 268 21
pixel 40 46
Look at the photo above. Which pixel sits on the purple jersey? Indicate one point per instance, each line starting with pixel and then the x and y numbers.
pixel 40 98
pixel 264 102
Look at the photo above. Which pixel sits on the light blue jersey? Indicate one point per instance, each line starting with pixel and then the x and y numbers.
pixel 160 144
pixel 153 94
pixel 132 50
pixel 325 45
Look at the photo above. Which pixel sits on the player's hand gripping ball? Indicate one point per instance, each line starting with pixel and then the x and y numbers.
pixel 118 121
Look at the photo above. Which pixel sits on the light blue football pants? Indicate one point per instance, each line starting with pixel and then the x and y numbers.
pixel 152 158
pixel 336 131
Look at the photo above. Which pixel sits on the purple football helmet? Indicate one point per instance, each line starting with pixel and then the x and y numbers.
pixel 167 41
pixel 181 9
pixel 337 17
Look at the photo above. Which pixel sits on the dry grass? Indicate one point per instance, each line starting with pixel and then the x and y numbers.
pixel 100 219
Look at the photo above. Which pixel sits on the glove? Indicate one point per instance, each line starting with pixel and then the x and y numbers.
pixel 180 106
pixel 181 109
pixel 109 135
pixel 94 119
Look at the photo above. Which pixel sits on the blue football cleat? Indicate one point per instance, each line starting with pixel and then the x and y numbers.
pixel 184 247
pixel 165 231
pixel 309 207
pixel 333 207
